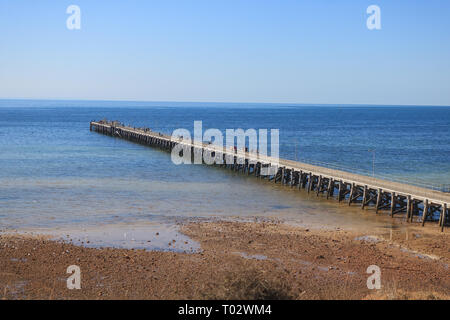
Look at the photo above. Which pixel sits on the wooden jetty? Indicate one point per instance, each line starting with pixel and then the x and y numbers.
pixel 417 204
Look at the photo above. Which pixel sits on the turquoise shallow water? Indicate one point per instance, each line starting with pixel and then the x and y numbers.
pixel 55 173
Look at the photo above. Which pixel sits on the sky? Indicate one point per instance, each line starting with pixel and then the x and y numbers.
pixel 281 51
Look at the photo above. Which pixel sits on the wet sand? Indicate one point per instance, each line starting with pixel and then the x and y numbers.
pixel 237 260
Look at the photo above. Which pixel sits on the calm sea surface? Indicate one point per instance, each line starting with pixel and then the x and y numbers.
pixel 55 173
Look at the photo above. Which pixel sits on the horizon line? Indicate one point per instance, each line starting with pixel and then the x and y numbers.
pixel 227 102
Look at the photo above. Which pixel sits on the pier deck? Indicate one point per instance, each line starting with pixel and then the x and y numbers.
pixel 415 202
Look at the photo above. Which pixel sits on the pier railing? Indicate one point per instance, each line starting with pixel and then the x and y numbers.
pixel 389 177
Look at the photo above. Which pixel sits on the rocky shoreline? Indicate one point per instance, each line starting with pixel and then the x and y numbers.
pixel 237 260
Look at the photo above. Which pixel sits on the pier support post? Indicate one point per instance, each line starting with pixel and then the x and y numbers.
pixel 352 190
pixel 319 185
pixel 330 188
pixel 303 179
pixel 364 197
pixel 224 160
pixel 413 210
pixel 442 217
pixel 339 197
pixel 408 208
pixel 310 182
pixel 393 203
pixel 275 175
pixel 425 212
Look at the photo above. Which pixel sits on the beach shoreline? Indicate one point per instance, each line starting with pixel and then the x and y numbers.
pixel 265 259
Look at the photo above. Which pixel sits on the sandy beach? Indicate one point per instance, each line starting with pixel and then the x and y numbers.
pixel 263 259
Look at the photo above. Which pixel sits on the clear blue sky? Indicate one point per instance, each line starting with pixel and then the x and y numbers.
pixel 313 51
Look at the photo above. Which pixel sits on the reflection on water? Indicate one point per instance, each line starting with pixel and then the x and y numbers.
pixel 141 235
pixel 156 235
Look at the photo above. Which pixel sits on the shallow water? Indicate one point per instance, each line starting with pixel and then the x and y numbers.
pixel 56 174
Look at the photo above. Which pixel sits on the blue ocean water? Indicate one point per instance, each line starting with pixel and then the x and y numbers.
pixel 54 172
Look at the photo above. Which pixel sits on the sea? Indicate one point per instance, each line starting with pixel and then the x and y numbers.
pixel 57 176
